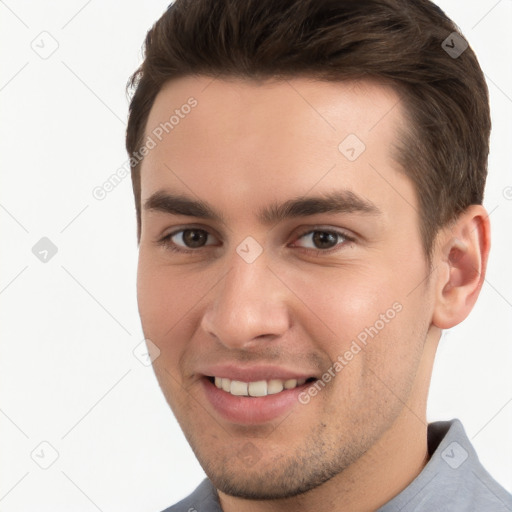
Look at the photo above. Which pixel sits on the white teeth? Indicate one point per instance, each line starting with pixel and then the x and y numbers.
pixel 290 383
pixel 274 386
pixel 257 388
pixel 226 384
pixel 239 388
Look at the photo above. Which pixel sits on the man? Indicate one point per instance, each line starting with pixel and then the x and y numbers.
pixel 308 178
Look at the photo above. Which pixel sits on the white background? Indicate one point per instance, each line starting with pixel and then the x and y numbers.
pixel 68 375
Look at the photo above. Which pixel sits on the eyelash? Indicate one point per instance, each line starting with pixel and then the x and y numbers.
pixel 168 244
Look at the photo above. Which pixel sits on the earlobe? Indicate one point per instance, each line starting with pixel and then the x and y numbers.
pixel 462 254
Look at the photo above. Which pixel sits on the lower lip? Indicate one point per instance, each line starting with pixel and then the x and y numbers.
pixel 251 410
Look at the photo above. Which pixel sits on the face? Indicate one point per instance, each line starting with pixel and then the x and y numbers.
pixel 282 277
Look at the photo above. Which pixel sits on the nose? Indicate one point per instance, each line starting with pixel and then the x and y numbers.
pixel 248 306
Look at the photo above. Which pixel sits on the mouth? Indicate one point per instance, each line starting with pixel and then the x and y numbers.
pixel 259 388
pixel 255 402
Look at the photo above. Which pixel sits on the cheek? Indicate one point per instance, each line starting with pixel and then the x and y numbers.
pixel 346 300
pixel 166 299
pixel 366 312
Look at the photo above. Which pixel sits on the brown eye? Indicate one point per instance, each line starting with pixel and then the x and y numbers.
pixel 323 239
pixel 192 238
pixel 188 240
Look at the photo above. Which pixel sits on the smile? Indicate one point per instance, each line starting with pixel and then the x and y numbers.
pixel 257 388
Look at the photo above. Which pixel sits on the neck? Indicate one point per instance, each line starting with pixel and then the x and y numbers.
pixel 382 473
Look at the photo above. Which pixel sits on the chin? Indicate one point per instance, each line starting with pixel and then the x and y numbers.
pixel 279 477
pixel 266 487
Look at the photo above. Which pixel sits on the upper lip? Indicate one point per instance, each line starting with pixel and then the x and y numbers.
pixel 253 373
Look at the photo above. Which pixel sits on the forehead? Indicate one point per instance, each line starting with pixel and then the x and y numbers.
pixel 262 92
pixel 246 140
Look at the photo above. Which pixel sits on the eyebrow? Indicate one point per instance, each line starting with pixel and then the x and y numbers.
pixel 341 201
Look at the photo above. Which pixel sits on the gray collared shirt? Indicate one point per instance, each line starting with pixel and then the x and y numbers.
pixel 453 480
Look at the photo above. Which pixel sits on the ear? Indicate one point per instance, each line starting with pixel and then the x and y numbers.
pixel 461 254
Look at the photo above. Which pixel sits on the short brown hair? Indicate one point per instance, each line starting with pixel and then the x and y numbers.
pixel 445 97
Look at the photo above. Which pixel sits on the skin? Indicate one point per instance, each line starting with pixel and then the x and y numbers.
pixel 362 438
